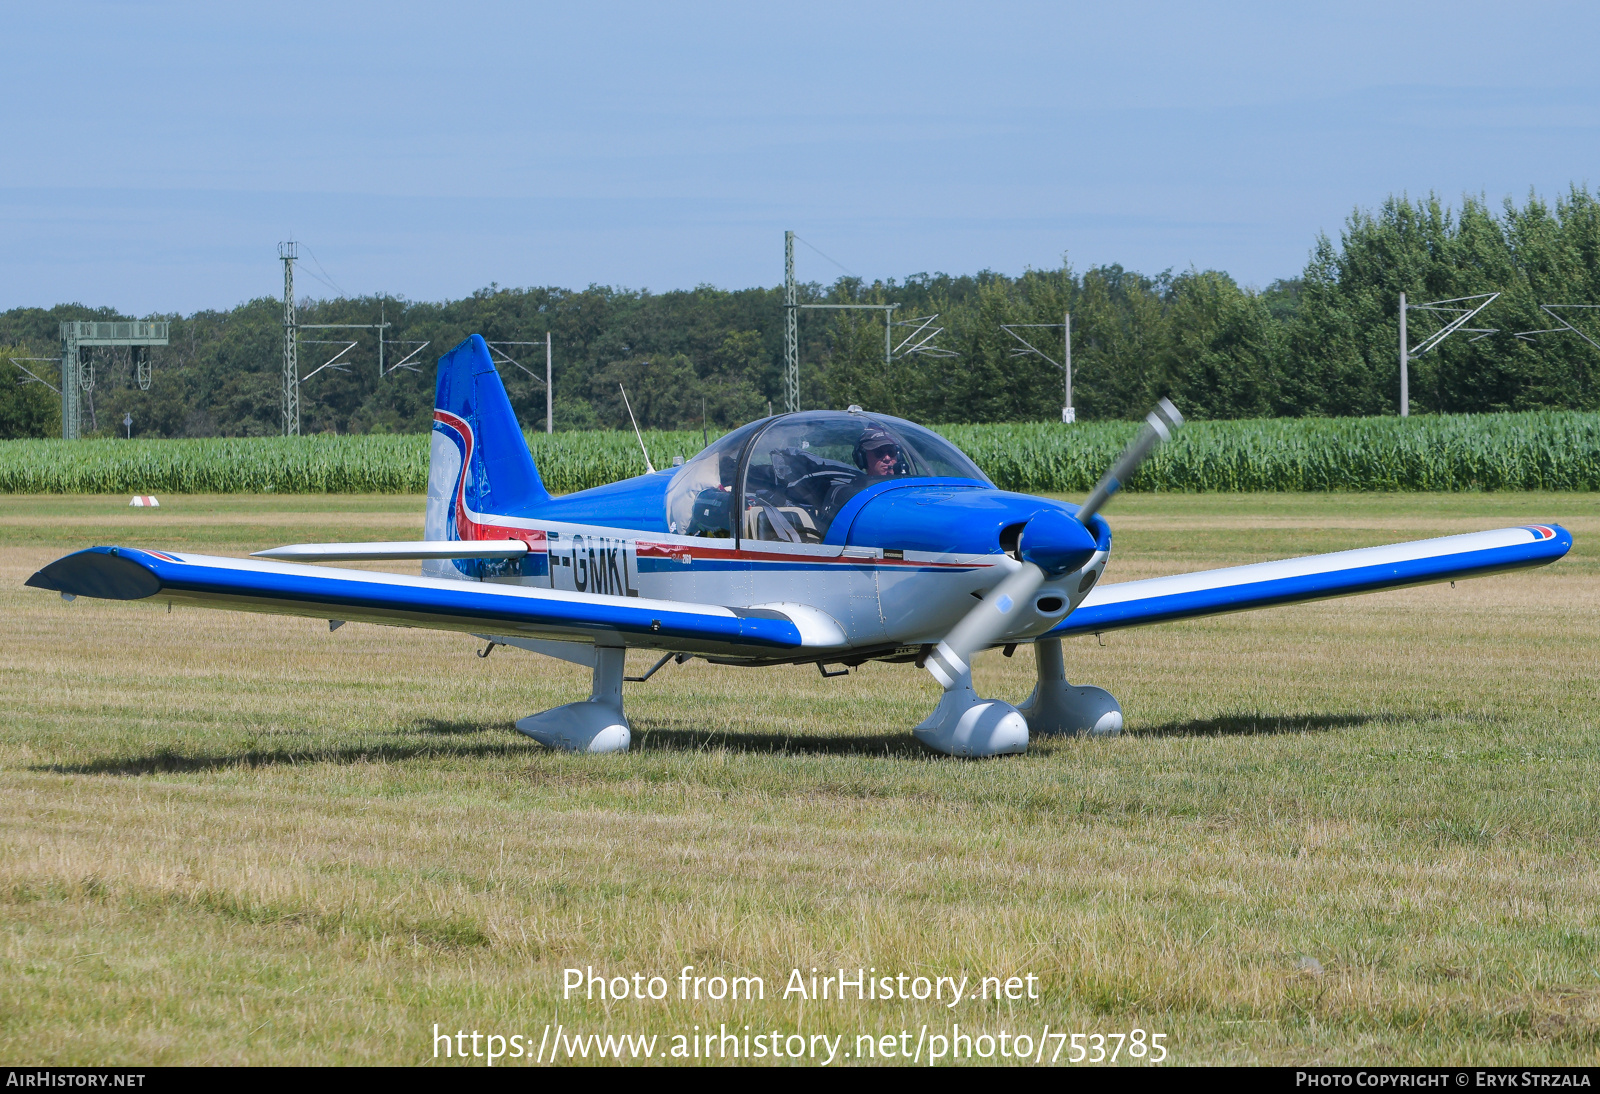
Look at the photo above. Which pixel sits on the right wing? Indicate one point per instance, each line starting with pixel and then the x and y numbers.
pixel 473 607
pixel 1314 577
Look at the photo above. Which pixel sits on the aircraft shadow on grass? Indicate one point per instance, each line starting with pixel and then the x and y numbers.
pixel 1262 725
pixel 444 727
pixel 888 746
pixel 897 746
pixel 167 761
pixel 891 745
pixel 682 739
pixel 170 762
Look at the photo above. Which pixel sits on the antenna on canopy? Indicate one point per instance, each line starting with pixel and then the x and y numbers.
pixel 636 432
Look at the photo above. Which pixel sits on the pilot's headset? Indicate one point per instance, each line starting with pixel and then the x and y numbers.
pixel 872 439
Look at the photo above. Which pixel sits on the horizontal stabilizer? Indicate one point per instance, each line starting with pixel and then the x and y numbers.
pixel 1314 577
pixel 472 607
pixel 396 551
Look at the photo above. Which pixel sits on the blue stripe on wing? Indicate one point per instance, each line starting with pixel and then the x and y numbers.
pixel 1111 607
pixel 114 573
pixel 823 565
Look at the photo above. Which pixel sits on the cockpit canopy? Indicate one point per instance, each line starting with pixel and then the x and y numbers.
pixel 786 478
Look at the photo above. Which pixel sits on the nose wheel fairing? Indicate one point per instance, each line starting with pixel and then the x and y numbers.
pixel 963 724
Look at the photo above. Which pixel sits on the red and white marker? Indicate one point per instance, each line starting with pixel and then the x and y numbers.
pixel 142 501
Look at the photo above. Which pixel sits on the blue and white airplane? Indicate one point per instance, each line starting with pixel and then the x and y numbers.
pixel 821 537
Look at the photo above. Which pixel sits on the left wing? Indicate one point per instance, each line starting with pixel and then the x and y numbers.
pixel 124 573
pixel 1314 577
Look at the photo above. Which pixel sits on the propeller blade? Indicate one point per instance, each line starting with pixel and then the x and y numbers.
pixel 951 659
pixel 1159 425
pixel 1049 544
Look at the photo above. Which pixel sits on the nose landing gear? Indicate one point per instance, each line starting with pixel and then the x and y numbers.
pixel 965 725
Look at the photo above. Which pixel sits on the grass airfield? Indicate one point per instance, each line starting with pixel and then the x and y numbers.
pixel 236 838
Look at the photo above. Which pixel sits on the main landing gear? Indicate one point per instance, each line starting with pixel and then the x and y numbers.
pixel 965 725
pixel 1057 708
pixel 595 725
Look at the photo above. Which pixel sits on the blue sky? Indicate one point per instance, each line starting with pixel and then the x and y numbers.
pixel 155 153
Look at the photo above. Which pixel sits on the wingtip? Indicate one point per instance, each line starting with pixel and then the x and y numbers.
pixel 99 572
pixel 1563 537
pixel 1554 535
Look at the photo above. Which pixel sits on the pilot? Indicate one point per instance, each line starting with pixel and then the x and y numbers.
pixel 880 456
pixel 878 453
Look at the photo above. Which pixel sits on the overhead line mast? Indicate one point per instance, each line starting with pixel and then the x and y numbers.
pixel 1069 413
pixel 292 327
pixel 919 342
pixel 791 329
pixel 1463 308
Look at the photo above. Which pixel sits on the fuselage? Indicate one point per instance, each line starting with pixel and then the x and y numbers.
pixel 900 564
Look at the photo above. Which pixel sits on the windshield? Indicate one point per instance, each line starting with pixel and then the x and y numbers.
pixel 931 453
pixel 803 469
pixel 800 470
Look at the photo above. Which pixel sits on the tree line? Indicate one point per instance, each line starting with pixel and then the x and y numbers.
pixel 1324 343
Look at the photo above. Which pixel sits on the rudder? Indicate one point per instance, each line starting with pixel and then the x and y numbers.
pixel 478 459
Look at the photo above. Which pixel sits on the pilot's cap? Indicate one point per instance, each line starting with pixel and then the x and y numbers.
pixel 875 438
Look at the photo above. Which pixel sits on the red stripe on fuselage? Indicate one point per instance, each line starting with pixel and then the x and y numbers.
pixel 651 549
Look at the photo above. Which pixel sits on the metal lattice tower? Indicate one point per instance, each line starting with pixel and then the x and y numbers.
pixel 791 329
pixel 291 359
pixel 71 372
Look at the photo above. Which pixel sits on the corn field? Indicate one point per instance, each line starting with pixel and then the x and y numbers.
pixel 1544 450
pixel 1538 450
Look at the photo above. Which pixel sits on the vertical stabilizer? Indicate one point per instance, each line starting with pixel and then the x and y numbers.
pixel 478 462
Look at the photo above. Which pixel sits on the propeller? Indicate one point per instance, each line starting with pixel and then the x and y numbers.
pixel 1158 427
pixel 1051 544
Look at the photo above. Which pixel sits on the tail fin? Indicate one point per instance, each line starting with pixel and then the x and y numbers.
pixel 478 462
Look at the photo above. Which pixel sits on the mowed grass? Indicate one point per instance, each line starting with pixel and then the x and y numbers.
pixel 235 838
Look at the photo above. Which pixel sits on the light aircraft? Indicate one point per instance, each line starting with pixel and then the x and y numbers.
pixel 821 537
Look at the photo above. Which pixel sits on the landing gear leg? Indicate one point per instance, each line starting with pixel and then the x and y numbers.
pixel 595 725
pixel 1058 708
